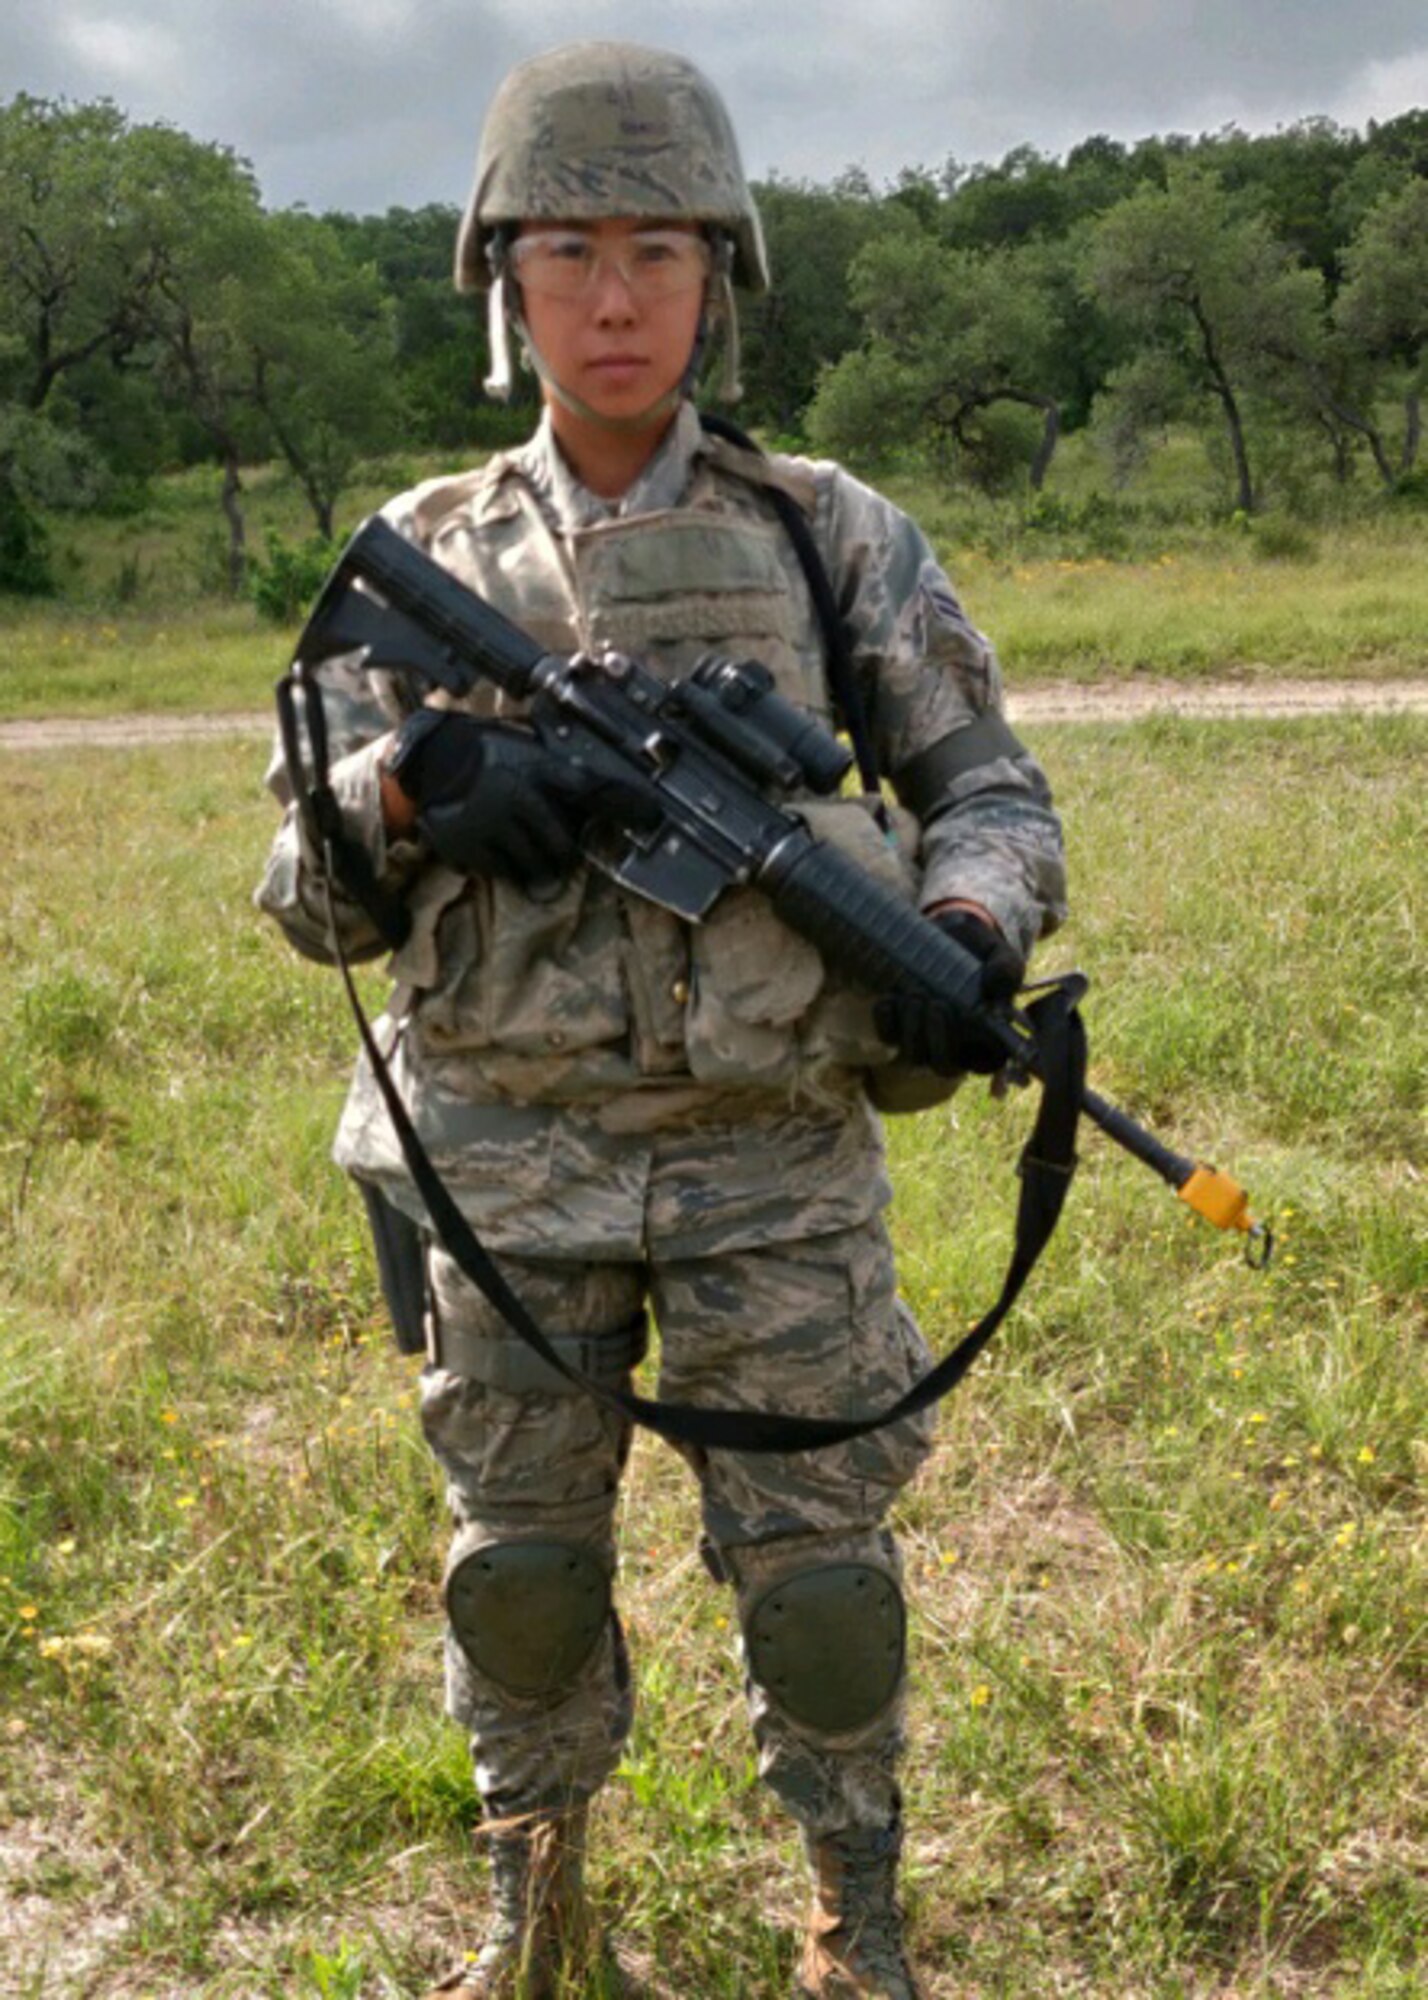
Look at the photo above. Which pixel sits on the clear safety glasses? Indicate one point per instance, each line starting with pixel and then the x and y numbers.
pixel 653 264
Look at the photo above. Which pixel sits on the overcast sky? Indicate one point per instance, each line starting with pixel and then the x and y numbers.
pixel 367 104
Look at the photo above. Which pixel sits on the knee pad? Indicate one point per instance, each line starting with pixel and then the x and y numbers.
pixel 828 1645
pixel 528 1615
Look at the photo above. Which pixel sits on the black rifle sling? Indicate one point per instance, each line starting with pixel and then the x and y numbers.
pixel 1046 1166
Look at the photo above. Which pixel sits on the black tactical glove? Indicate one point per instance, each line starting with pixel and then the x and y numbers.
pixel 941 1037
pixel 493 800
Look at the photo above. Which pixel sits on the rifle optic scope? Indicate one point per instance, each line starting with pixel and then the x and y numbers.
pixel 761 729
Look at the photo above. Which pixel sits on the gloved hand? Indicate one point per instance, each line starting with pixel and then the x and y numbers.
pixel 941 1037
pixel 493 800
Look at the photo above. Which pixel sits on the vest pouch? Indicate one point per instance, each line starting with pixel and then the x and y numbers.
pixel 526 977
pixel 752 980
pixel 415 964
pixel 840 1029
pixel 668 587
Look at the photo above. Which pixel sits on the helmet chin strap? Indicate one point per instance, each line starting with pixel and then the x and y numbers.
pixel 501 380
pixel 503 312
pixel 725 312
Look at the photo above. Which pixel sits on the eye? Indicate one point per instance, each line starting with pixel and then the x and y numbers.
pixel 557 253
pixel 653 253
pixel 574 251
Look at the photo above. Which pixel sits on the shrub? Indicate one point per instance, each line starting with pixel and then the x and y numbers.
pixel 1276 539
pixel 284 584
pixel 24 546
pixel 1410 489
pixel 128 578
pixel 1097 525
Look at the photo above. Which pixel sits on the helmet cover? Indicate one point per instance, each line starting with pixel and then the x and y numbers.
pixel 608 129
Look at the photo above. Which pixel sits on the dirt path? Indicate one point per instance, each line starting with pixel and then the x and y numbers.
pixel 1090 701
pixel 1127 701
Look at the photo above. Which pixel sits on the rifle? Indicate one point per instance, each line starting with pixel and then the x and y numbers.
pixel 715 755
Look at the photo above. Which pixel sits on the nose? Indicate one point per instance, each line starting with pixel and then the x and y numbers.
pixel 613 301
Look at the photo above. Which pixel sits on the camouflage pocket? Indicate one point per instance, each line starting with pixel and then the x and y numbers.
pixel 751 982
pixel 416 963
pixel 763 1004
pixel 889 1458
pixel 526 977
pixel 809 1328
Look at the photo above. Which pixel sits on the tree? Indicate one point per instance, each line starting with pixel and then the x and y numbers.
pixel 1100 171
pixel 439 337
pixel 317 335
pixel 199 311
pixel 131 244
pixel 1403 139
pixel 1205 282
pixel 72 275
pixel 808 319
pixel 1383 307
pixel 952 339
pixel 1025 196
pixel 1138 402
pixel 1293 178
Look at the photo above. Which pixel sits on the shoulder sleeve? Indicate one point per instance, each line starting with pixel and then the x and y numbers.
pixel 933 690
pixel 925 668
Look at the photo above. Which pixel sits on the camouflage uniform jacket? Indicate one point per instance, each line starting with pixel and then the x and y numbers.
pixel 537 1032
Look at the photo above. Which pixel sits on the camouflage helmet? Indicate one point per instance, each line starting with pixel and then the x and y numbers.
pixel 599 129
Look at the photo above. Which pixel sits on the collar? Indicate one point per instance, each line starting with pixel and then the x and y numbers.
pixel 570 504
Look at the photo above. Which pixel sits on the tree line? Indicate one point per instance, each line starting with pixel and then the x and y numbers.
pixel 1270 291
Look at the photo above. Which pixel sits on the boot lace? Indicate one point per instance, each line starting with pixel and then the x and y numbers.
pixel 871 1919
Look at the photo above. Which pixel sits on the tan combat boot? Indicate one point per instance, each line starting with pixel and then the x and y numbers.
pixel 539 1942
pixel 853 1949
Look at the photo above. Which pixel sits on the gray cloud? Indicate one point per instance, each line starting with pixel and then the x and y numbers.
pixel 363 104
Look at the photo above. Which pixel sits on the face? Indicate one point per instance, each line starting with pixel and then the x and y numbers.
pixel 614 307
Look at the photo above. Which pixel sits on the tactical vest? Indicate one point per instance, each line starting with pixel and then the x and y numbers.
pixel 594 990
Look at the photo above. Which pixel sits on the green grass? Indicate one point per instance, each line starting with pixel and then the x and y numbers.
pixel 210 659
pixel 1169 1568
pixel 1354 611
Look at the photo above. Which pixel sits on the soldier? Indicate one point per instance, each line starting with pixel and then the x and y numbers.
pixel 632 1110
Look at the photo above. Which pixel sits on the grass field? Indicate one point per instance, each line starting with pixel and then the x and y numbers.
pixel 1085 589
pixel 1168 1567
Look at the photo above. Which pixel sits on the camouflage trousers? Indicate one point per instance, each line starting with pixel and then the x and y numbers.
pixel 809 1327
